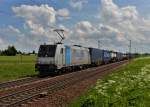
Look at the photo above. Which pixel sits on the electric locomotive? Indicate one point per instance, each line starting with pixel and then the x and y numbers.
pixel 59 58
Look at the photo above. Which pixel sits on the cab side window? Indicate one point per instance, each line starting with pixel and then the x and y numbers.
pixel 61 51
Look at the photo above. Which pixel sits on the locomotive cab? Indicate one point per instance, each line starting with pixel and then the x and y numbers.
pixel 50 58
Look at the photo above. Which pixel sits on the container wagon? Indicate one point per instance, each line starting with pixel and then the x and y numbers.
pixel 96 56
pixel 119 56
pixel 106 56
pixel 113 56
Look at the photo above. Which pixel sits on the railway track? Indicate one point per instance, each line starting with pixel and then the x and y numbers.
pixel 11 84
pixel 16 83
pixel 25 95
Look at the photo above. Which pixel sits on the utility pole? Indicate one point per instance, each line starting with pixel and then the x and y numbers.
pixel 129 49
pixel 21 57
pixel 135 51
pixel 99 44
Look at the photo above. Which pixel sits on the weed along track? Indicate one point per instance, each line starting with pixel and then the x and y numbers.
pixel 52 85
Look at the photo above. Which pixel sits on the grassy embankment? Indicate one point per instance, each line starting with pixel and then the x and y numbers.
pixel 14 67
pixel 128 87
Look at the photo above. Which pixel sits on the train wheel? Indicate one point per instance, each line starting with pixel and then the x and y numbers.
pixel 58 72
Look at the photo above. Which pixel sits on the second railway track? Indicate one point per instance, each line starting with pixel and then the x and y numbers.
pixel 22 96
pixel 10 84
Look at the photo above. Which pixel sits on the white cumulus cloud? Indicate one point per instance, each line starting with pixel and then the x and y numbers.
pixel 78 4
pixel 63 12
pixel 43 15
pixel 126 20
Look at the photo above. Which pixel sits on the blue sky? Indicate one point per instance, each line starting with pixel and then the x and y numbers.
pixel 8 16
pixel 88 15
pixel 143 6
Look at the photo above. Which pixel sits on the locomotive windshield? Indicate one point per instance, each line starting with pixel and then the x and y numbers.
pixel 47 51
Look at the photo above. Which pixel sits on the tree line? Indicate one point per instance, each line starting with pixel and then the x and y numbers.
pixel 12 51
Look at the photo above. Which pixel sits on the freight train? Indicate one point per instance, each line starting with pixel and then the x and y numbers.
pixel 58 58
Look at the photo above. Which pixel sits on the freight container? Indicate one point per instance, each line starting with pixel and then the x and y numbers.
pixel 113 56
pixel 96 56
pixel 106 56
pixel 119 56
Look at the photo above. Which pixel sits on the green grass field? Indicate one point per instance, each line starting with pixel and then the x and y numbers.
pixel 14 67
pixel 18 59
pixel 128 87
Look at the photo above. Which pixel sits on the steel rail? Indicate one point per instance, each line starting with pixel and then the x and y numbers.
pixel 10 84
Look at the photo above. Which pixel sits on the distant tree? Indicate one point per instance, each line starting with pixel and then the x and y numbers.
pixel 10 51
pixel 19 52
pixel 33 52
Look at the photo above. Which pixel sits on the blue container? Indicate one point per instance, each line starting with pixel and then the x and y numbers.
pixel 106 56
pixel 96 56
